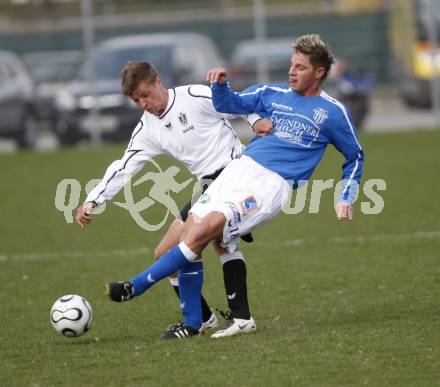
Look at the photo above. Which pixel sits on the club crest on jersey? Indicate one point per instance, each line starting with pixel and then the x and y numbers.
pixel 249 205
pixel 184 122
pixel 204 199
pixel 182 118
pixel 320 115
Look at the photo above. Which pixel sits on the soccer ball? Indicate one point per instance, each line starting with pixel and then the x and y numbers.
pixel 71 315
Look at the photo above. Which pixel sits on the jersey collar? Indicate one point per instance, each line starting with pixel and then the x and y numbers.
pixel 171 99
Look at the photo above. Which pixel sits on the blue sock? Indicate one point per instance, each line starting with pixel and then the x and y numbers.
pixel 169 263
pixel 190 287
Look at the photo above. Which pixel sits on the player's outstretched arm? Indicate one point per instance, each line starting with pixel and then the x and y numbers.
pixel 344 210
pixel 83 217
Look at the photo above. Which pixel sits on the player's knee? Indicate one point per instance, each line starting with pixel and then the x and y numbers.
pixel 197 236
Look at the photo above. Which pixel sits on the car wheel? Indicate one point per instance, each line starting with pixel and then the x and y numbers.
pixel 27 137
pixel 67 138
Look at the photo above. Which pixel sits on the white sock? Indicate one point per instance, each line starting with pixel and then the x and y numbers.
pixel 231 256
pixel 187 252
pixel 174 281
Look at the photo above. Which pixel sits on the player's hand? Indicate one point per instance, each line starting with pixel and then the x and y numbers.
pixel 217 74
pixel 82 214
pixel 344 210
pixel 262 127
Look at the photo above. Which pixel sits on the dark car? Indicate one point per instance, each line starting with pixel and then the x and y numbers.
pixel 17 116
pixel 50 70
pixel 180 58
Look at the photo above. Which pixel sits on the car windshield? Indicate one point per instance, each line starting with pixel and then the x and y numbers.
pixel 109 62
pixel 52 71
pixel 273 58
pixel 277 61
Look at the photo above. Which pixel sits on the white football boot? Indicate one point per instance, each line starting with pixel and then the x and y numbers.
pixel 238 326
pixel 211 323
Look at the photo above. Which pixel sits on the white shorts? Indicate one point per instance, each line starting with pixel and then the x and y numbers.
pixel 248 194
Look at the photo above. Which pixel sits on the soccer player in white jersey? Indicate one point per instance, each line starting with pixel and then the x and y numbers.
pixel 253 189
pixel 182 123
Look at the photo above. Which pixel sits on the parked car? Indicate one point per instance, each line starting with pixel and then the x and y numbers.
pixel 276 53
pixel 50 70
pixel 180 58
pixel 17 116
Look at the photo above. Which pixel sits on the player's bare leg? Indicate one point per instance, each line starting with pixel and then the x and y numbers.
pixel 170 239
pixel 197 233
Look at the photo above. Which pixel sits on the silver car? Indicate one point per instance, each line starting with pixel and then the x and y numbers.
pixel 17 116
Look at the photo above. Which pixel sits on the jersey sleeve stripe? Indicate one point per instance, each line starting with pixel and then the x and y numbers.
pixel 344 111
pixel 133 153
pixel 350 179
pixel 136 133
pixel 260 89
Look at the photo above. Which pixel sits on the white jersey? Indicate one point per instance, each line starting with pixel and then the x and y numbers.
pixel 190 130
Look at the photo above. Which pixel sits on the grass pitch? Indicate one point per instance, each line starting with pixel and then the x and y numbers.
pixel 336 303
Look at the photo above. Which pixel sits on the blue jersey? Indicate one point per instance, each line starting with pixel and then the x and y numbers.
pixel 302 128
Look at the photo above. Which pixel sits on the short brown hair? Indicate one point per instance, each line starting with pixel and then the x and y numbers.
pixel 317 50
pixel 136 72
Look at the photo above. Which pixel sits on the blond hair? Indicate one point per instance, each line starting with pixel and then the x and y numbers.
pixel 136 72
pixel 317 50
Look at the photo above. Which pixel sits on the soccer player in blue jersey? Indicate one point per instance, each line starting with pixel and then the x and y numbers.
pixel 253 189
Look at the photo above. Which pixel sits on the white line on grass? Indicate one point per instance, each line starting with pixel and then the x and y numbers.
pixel 74 254
pixel 372 238
pixel 146 250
